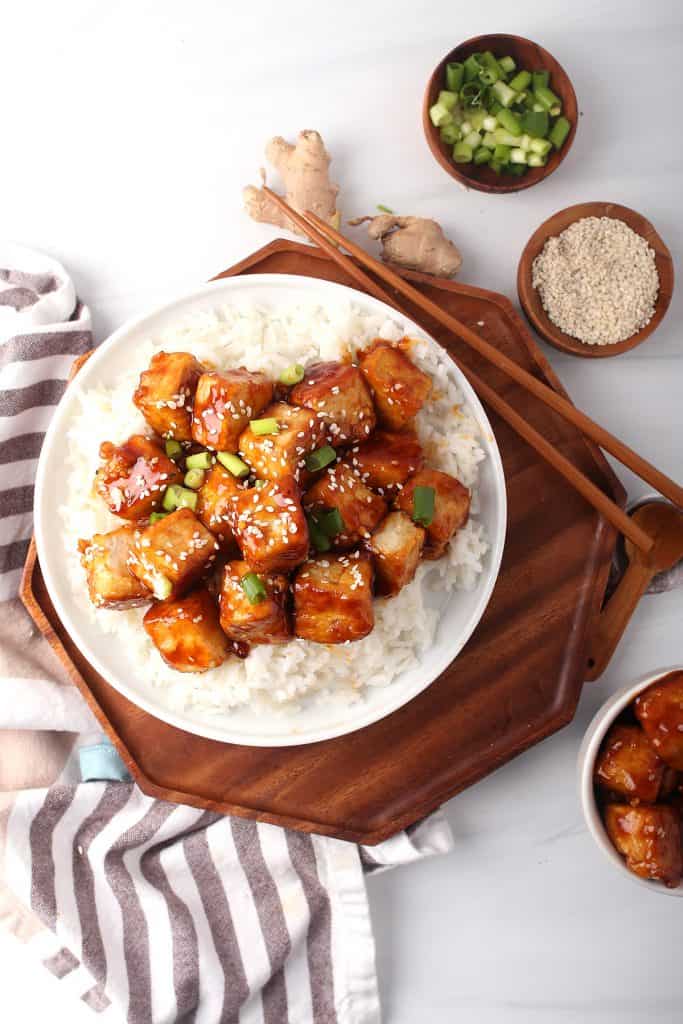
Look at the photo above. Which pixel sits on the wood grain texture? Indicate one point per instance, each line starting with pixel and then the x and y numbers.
pixel 528 56
pixel 516 681
pixel 530 299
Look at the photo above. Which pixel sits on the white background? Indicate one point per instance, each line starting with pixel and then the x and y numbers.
pixel 128 130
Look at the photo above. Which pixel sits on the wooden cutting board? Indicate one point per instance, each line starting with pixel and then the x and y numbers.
pixel 517 681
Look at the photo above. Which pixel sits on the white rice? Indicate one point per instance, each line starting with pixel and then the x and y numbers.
pixel 279 676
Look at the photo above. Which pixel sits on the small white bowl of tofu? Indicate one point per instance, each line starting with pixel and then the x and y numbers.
pixel 630 776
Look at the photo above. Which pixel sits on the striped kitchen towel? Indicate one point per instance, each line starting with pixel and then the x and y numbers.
pixel 148 912
pixel 43 327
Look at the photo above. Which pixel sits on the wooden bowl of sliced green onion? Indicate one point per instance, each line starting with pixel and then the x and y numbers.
pixel 499 113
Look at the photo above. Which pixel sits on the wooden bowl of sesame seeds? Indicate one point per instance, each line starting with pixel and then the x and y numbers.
pixel 530 299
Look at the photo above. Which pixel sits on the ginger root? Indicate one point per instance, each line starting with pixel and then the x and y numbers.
pixel 416 243
pixel 304 169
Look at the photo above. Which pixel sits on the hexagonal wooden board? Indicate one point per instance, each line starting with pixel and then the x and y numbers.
pixel 517 680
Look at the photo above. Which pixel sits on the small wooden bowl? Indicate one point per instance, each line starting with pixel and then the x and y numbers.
pixel 529 56
pixel 530 300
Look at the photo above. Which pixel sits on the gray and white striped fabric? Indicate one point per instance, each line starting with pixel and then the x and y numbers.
pixel 149 912
pixel 43 328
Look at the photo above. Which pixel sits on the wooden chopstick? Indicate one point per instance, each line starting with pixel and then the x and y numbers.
pixel 636 463
pixel 597 498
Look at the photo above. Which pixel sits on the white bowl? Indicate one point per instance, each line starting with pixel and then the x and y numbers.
pixel 590 746
pixel 459 614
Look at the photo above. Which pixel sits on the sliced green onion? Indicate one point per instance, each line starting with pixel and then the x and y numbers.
pixel 487 76
pixel 295 373
pixel 482 155
pixel 507 64
pixel 539 79
pixel 319 538
pixel 536 160
pixel 194 478
pixel 472 139
pixel 541 147
pixel 504 137
pixel 384 209
pixel 517 169
pixel 201 460
pixel 254 588
pixel 503 93
pixel 510 122
pixel 176 496
pixel 471 93
pixel 559 132
pixel 524 142
pixel 320 458
pixel 173 449
pixel 466 127
pixel 501 153
pixel 489 140
pixel 266 426
pixel 496 166
pixel 475 115
pixel 233 464
pixel 495 107
pixel 520 82
pixel 450 133
pixel 556 109
pixel 447 99
pixel 455 73
pixel 488 60
pixel 330 522
pixel 538 108
pixel 423 505
pixel 440 115
pixel 156 516
pixel 517 156
pixel 462 153
pixel 472 67
pixel 535 123
pixel 546 96
pixel 490 123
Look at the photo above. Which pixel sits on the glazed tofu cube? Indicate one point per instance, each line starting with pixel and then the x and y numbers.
pixel 660 712
pixel 399 388
pixel 649 838
pixel 105 560
pixel 386 460
pixel 338 392
pixel 216 502
pixel 360 508
pixel 629 765
pixel 187 633
pixel 134 476
pixel 166 392
pixel 333 599
pixel 451 507
pixel 173 554
pixel 265 622
pixel 396 546
pixel 273 456
pixel 224 404
pixel 270 527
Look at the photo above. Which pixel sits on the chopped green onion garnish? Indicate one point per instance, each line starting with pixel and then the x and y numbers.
pixel 546 97
pixel 423 505
pixel 233 464
pixel 535 123
pixel 539 79
pixel 482 155
pixel 471 93
pixel 454 75
pixel 267 426
pixel 440 115
pixel 384 209
pixel 156 516
pixel 503 93
pixel 472 67
pixel 462 153
pixel 450 133
pixel 447 98
pixel 176 496
pixel 559 132
pixel 320 458
pixel 556 109
pixel 507 64
pixel 490 123
pixel 536 160
pixel 505 138
pixel 194 478
pixel 330 522
pixel 292 374
pixel 540 146
pixel 201 460
pixel 520 82
pixel 489 140
pixel 510 122
pixel 173 449
pixel 516 169
pixel 319 538
pixel 501 153
pixel 517 156
pixel 472 139
pixel 254 588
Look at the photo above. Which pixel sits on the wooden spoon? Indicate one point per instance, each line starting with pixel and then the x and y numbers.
pixel 664 523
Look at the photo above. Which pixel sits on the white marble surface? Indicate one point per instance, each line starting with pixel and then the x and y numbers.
pixel 128 130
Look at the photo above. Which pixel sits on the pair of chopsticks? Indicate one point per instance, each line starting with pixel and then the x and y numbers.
pixel 332 241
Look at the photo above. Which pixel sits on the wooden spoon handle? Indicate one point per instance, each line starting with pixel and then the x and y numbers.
pixel 615 617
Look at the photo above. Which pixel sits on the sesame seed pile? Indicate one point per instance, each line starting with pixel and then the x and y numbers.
pixel 597 280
